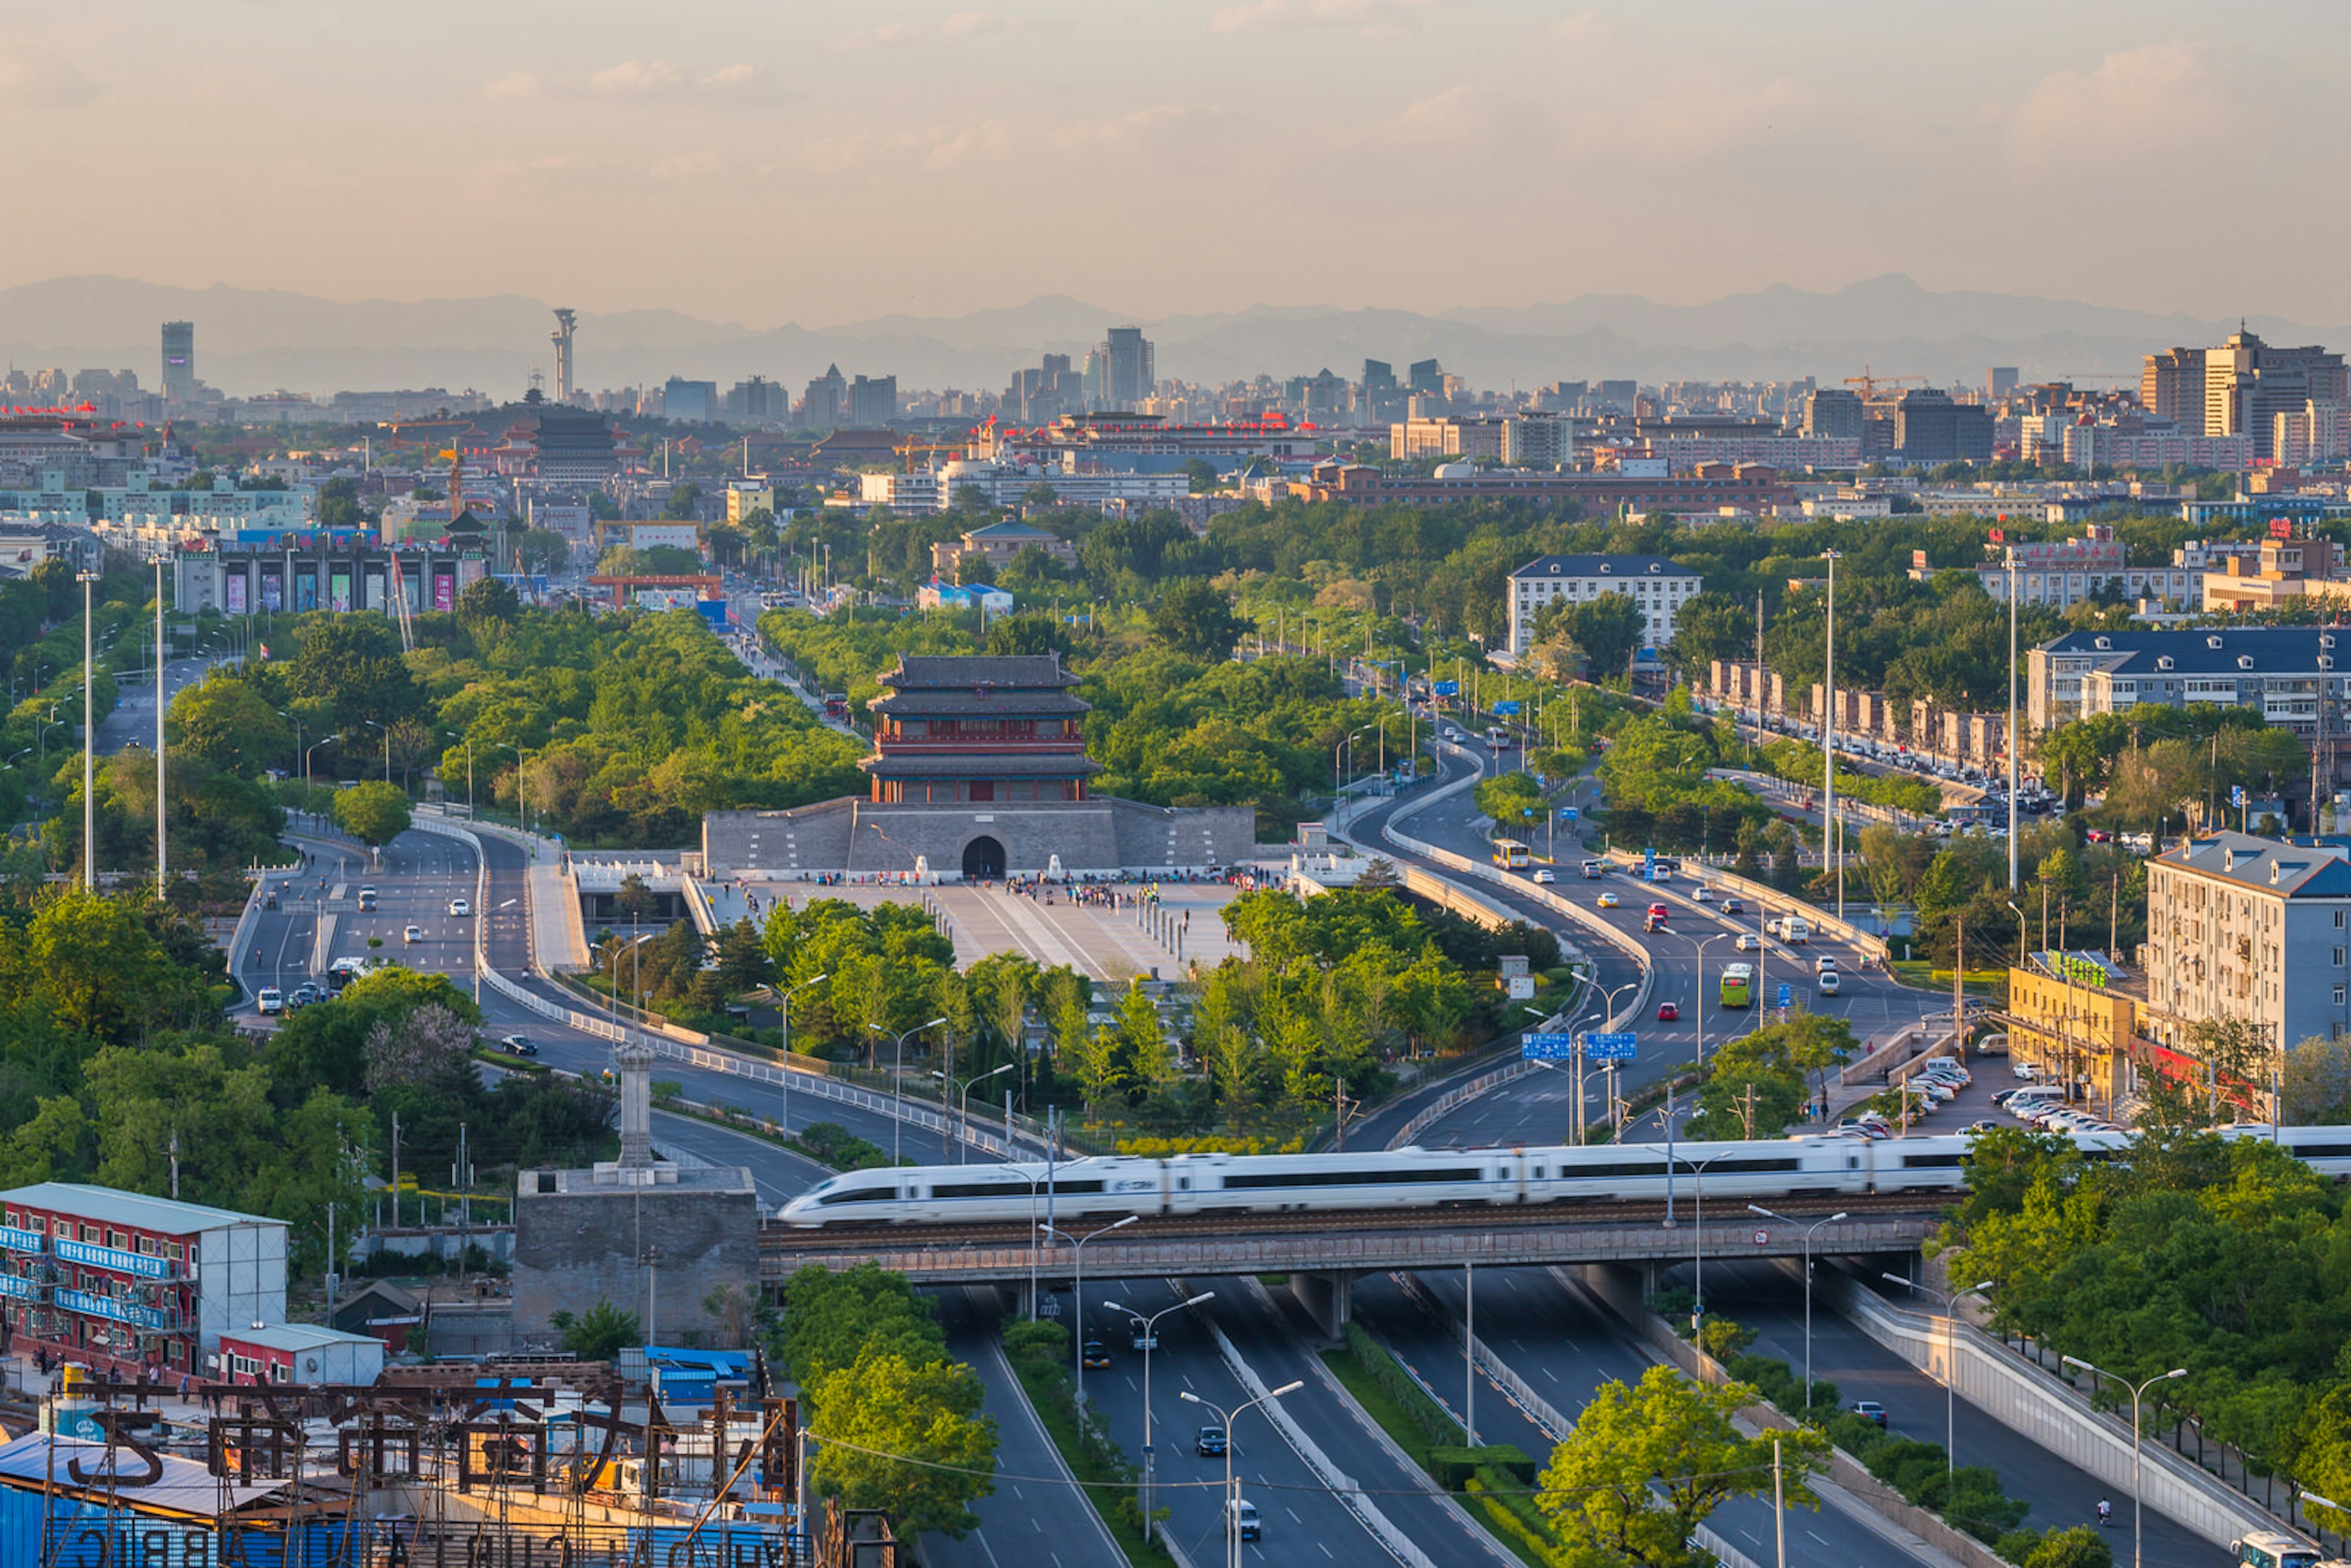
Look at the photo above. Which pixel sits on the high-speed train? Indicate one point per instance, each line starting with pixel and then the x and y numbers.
pixel 1117 1185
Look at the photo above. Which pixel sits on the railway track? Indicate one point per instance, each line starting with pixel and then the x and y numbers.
pixel 787 1240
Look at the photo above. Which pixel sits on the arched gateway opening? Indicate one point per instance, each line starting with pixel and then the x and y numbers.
pixel 983 860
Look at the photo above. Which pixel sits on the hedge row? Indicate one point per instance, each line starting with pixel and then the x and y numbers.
pixel 1398 1383
pixel 1513 1512
pixel 1969 1499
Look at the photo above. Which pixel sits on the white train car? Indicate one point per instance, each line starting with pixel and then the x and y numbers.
pixel 1118 1185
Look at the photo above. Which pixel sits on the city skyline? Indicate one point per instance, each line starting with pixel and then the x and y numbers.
pixel 941 159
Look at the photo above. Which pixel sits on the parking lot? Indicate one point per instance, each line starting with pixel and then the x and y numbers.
pixel 1972 1103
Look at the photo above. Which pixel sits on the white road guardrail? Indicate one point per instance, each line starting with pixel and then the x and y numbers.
pixel 703 1056
pixel 1485 1084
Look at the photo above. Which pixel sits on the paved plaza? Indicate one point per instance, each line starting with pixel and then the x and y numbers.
pixel 1098 941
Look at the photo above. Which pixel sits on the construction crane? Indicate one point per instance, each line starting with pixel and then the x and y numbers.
pixel 912 449
pixel 1869 383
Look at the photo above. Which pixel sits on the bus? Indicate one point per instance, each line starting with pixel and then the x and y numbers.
pixel 1738 985
pixel 1500 738
pixel 1509 854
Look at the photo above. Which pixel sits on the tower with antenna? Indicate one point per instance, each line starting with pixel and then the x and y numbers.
pixel 566 321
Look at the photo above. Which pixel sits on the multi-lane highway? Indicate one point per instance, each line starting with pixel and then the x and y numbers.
pixel 1564 1347
pixel 1548 1333
pixel 1687 960
pixel 132 722
pixel 419 877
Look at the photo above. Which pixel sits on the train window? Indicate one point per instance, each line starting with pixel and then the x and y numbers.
pixel 855 1195
pixel 1359 1177
pixel 2322 1151
pixel 1930 1161
pixel 1755 1167
pixel 1537 1174
pixel 1076 1187
pixel 979 1190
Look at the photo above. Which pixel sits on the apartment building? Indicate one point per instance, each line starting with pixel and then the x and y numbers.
pixel 1445 437
pixel 2282 672
pixel 127 1284
pixel 2239 927
pixel 2066 572
pixel 1658 586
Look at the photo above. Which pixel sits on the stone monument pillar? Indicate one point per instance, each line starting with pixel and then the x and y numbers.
pixel 633 1061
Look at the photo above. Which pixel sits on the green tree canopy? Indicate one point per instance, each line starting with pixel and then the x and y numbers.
pixel 1197 619
pixel 1647 1465
pixel 375 813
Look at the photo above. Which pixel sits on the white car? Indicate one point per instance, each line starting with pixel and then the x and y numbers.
pixel 1831 983
pixel 1545 876
pixel 460 907
pixel 1702 894
pixel 1825 963
pixel 270 999
pixel 412 936
pixel 1745 942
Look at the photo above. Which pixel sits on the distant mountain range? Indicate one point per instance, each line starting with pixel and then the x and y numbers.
pixel 254 340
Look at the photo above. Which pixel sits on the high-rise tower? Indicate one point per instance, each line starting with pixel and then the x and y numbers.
pixel 566 321
pixel 178 360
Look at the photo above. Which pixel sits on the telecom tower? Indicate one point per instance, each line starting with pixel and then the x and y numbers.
pixel 566 320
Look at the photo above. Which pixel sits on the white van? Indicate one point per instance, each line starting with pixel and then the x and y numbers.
pixel 1795 931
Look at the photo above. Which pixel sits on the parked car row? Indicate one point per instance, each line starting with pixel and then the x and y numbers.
pixel 2044 1105
pixel 1937 1083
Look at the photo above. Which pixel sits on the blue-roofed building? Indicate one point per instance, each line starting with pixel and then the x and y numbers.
pixel 2281 671
pixel 2239 927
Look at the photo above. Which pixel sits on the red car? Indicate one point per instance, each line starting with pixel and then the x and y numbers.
pixel 1667 1012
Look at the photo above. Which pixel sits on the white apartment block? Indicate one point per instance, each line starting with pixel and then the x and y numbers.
pixel 1659 587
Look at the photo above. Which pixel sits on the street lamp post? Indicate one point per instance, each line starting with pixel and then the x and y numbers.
pixel 2138 1392
pixel 522 801
pixel 1615 1130
pixel 1232 1495
pixel 1808 1230
pixel 88 746
pixel 898 1080
pixel 1833 836
pixel 784 1111
pixel 314 746
pixel 1698 1242
pixel 1951 1299
pixel 1078 1289
pixel 1149 1335
pixel 963 1102
pixel 161 703
pixel 1698 950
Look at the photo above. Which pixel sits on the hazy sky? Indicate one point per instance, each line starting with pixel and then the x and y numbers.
pixel 766 162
